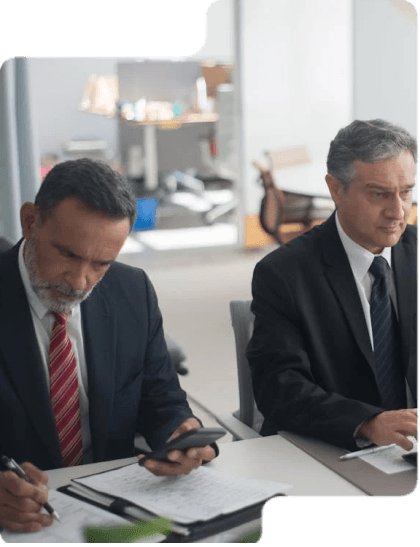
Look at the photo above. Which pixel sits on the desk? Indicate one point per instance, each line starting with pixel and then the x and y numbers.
pixel 269 458
pixel 150 139
pixel 275 458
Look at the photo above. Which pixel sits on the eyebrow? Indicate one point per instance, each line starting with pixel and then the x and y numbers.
pixel 63 248
pixel 375 186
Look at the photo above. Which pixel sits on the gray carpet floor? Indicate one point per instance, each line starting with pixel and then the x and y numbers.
pixel 194 289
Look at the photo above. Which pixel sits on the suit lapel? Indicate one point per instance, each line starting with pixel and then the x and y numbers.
pixel 339 274
pixel 23 359
pixel 99 336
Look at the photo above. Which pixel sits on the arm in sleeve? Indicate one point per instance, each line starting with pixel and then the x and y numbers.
pixel 287 388
pixel 163 405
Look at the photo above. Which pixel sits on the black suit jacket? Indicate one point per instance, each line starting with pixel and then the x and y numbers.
pixel 132 384
pixel 310 354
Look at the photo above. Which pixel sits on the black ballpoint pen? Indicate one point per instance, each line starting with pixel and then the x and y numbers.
pixel 9 463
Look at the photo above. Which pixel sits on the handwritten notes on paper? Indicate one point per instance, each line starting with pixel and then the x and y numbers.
pixel 391 461
pixel 75 516
pixel 202 495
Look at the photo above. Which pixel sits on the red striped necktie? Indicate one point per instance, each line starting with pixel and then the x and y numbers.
pixel 64 392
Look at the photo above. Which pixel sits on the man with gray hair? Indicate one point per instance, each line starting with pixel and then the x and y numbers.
pixel 333 352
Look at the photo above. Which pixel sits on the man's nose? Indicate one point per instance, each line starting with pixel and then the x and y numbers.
pixel 79 277
pixel 396 208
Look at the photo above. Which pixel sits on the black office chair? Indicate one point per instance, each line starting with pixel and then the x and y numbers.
pixel 5 244
pixel 283 214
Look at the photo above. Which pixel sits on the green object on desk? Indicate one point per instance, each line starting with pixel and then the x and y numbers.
pixel 252 537
pixel 128 534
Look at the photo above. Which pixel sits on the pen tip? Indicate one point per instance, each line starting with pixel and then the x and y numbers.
pixel 55 514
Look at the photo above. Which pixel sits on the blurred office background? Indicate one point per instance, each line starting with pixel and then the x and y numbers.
pixel 272 74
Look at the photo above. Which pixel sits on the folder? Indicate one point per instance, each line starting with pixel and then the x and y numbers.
pixel 126 501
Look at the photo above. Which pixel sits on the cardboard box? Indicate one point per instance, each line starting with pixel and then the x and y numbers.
pixel 216 75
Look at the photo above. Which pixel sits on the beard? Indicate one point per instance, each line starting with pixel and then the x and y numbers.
pixel 59 304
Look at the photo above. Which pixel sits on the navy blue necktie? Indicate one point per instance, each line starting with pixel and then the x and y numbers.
pixel 386 339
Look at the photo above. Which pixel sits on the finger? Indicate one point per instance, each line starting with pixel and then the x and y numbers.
pixel 401 440
pixel 35 474
pixel 190 423
pixel 205 453
pixel 407 429
pixel 160 468
pixel 12 519
pixel 19 488
pixel 175 456
pixel 183 459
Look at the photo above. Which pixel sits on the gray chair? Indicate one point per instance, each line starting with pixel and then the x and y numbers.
pixel 5 244
pixel 245 422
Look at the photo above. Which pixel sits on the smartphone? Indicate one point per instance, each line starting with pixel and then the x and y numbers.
pixel 202 436
pixel 412 457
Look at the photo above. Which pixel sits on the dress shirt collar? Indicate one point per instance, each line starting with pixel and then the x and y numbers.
pixel 35 303
pixel 359 257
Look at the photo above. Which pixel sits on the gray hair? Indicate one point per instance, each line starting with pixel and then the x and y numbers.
pixel 368 141
pixel 95 183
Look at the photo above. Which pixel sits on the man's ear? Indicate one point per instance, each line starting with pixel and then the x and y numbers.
pixel 336 189
pixel 28 218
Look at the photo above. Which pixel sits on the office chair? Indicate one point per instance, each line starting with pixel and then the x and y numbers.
pixel 283 214
pixel 245 422
pixel 5 244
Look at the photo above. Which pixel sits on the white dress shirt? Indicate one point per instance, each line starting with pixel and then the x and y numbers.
pixel 43 321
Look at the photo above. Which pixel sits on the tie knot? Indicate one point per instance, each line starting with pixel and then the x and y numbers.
pixel 61 318
pixel 379 267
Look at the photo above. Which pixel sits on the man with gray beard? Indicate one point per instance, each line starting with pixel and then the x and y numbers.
pixel 66 299
pixel 83 360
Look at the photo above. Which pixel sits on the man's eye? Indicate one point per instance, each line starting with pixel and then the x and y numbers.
pixel 67 254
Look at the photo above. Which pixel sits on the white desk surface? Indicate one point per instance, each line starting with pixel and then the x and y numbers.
pixel 270 458
pixel 275 458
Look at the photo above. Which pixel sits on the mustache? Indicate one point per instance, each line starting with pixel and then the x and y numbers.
pixel 62 288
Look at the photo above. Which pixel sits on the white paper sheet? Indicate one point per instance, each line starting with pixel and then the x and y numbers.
pixel 391 461
pixel 202 495
pixel 75 516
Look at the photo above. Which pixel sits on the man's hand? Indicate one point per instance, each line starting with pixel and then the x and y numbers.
pixel 183 462
pixel 21 501
pixel 389 427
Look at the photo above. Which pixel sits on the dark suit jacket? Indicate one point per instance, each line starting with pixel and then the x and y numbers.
pixel 310 354
pixel 133 385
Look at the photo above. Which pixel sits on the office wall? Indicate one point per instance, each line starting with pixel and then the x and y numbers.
pixel 295 74
pixel 57 86
pixel 385 54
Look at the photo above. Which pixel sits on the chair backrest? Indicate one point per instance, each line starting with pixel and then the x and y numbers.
pixel 5 244
pixel 243 323
pixel 285 214
pixel 289 157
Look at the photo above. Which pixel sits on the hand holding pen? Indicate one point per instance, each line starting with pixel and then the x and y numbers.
pixel 21 501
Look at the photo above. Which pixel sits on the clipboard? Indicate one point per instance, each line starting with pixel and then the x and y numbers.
pixel 192 532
